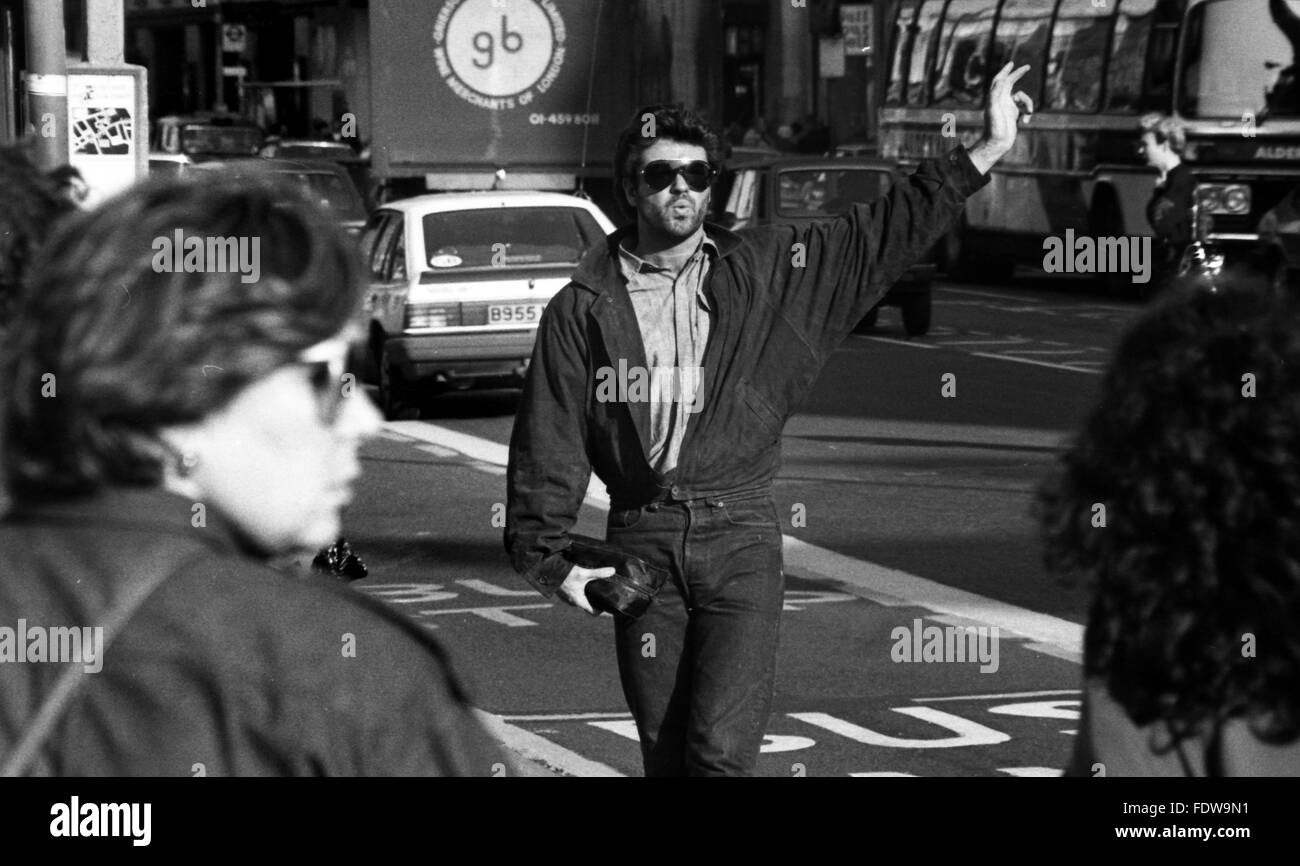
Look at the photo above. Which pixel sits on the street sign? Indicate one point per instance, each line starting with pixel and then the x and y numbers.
pixel 234 38
pixel 855 22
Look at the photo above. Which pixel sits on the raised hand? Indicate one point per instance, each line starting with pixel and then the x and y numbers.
pixel 1001 117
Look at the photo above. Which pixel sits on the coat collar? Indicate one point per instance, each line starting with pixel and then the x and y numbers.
pixel 132 509
pixel 599 270
pixel 612 309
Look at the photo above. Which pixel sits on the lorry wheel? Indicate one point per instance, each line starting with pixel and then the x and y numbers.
pixel 391 391
pixel 916 314
pixel 869 320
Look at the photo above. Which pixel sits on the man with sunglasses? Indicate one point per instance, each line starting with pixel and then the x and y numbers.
pixel 758 313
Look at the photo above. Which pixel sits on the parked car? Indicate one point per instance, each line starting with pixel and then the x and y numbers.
pixel 356 165
pixel 325 182
pixel 458 285
pixel 207 134
pixel 789 190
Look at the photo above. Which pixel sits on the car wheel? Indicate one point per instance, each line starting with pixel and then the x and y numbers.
pixel 390 387
pixel 916 314
pixel 869 320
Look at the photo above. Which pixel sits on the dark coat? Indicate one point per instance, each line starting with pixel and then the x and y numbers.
pixel 781 299
pixel 229 667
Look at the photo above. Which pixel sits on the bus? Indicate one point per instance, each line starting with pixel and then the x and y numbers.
pixel 1226 68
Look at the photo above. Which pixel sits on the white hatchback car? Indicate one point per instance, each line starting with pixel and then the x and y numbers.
pixel 458 282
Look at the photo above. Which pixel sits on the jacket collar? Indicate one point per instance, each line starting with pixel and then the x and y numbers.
pixel 599 270
pixel 612 309
pixel 135 509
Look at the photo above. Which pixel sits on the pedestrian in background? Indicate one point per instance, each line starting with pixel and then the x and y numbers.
pixel 164 432
pixel 1179 504
pixel 690 479
pixel 1164 140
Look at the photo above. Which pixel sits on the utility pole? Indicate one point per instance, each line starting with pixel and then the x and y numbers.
pixel 47 81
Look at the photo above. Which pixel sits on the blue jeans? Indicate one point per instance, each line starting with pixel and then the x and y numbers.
pixel 698 667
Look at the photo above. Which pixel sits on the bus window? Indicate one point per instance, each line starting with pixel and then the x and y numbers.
pixel 1241 58
pixel 1077 56
pixel 904 35
pixel 1128 53
pixel 959 66
pixel 926 19
pixel 1021 38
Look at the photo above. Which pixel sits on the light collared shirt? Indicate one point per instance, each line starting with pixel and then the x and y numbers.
pixel 673 315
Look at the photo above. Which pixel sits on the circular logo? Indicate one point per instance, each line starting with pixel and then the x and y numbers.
pixel 499 54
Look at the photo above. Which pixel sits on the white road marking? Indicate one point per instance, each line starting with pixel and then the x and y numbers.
pixel 1032 772
pixel 968 733
pixel 539 750
pixel 902 343
pixel 1010 341
pixel 492 589
pixel 1067 709
pixel 1046 351
pixel 1036 363
pixel 796 598
pixel 973 293
pixel 1000 697
pixel 565 717
pixel 499 615
pixel 890 587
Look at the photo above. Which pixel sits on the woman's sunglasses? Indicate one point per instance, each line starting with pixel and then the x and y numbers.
pixel 326 365
pixel 662 172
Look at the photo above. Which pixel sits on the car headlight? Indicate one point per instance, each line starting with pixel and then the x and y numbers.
pixel 1223 198
pixel 1237 199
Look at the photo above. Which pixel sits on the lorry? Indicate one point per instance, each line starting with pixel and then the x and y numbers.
pixel 499 94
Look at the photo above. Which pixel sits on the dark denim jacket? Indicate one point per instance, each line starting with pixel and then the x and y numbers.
pixel 782 299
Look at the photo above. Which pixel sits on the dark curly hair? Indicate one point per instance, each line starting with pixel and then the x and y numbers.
pixel 134 346
pixel 33 202
pixel 1200 546
pixel 673 122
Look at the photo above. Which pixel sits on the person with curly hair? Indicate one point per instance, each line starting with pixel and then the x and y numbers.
pixel 34 202
pixel 1179 503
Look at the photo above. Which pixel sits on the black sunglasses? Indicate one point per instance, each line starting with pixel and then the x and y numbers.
pixel 326 367
pixel 662 172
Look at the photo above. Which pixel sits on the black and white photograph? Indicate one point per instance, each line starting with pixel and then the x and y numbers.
pixel 536 389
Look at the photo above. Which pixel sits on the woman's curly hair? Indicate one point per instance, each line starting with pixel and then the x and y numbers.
pixel 33 202
pixel 1180 503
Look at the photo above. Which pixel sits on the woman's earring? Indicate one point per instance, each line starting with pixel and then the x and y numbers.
pixel 187 463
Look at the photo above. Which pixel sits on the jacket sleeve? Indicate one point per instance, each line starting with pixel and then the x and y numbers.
pixel 1170 209
pixel 549 465
pixel 829 274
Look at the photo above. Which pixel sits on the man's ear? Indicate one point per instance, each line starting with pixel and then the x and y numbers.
pixel 629 193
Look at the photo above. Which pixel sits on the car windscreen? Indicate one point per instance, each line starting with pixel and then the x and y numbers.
pixel 828 192
pixel 225 140
pixel 508 237
pixel 334 192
